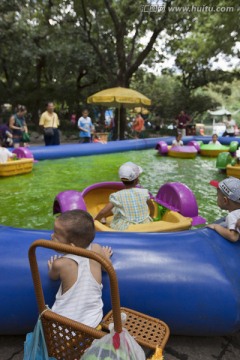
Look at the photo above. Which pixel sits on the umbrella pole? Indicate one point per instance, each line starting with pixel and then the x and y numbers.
pixel 118 136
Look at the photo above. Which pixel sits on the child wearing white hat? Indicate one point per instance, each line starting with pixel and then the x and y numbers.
pixel 131 205
pixel 228 198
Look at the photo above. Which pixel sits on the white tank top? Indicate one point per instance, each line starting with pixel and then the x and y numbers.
pixel 83 301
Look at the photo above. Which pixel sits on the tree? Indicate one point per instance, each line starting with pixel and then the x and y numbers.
pixel 115 31
pixel 200 40
pixel 169 97
pixel 41 56
pixel 65 50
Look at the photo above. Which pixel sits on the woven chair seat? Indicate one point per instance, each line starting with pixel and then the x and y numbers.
pixel 147 331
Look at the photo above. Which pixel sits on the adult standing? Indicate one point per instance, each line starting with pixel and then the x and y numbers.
pixel 18 126
pixel 112 128
pixel 50 122
pixel 85 126
pixel 230 126
pixel 182 120
pixel 138 126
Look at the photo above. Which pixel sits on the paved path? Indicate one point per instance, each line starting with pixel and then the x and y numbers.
pixel 178 348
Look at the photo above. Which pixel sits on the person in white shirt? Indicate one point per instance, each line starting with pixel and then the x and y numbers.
pixel 5 154
pixel 214 140
pixel 86 127
pixel 230 126
pixel 178 141
pixel 80 294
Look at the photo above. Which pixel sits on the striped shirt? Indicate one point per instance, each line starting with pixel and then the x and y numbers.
pixel 130 207
pixel 83 301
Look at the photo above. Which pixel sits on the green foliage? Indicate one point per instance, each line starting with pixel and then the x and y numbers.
pixel 199 40
pixel 65 50
pixel 169 97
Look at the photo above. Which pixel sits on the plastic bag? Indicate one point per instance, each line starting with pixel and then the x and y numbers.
pixel 115 346
pixel 25 137
pixel 34 346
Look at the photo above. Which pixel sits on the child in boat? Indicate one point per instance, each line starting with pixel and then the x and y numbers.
pixel 5 154
pixel 178 141
pixel 214 140
pixel 228 198
pixel 131 205
pixel 80 294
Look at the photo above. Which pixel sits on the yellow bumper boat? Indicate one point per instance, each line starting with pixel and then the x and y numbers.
pixel 175 206
pixel 16 167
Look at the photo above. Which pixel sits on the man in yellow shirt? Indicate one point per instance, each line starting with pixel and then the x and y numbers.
pixel 49 121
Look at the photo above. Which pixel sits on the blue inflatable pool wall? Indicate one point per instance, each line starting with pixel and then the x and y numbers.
pixel 189 279
pixel 74 150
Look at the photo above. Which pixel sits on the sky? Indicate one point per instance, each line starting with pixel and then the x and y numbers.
pixel 222 62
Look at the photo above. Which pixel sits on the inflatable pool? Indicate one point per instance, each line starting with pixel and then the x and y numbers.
pixel 75 150
pixel 188 279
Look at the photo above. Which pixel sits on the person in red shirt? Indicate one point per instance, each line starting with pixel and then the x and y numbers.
pixel 138 126
pixel 182 120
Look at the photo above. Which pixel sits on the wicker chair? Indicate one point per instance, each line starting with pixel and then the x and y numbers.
pixel 67 339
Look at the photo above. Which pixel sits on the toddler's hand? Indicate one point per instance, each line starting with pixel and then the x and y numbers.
pixel 51 260
pixel 107 251
pixel 211 226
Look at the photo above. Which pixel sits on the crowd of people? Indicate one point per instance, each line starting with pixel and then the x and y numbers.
pixel 15 133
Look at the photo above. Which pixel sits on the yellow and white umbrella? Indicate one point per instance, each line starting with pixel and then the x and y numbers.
pixel 117 97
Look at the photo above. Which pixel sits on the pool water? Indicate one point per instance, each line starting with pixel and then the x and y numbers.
pixel 27 200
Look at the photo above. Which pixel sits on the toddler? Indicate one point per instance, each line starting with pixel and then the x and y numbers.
pixel 80 294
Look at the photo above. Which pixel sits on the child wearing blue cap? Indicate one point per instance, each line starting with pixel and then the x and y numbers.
pixel 228 198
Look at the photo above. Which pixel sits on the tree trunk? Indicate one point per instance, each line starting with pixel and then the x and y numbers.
pixel 123 81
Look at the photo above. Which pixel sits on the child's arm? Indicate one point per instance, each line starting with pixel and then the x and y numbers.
pixel 54 267
pixel 228 234
pixel 151 207
pixel 80 127
pixel 9 134
pixel 105 212
pixel 105 251
pixel 96 268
